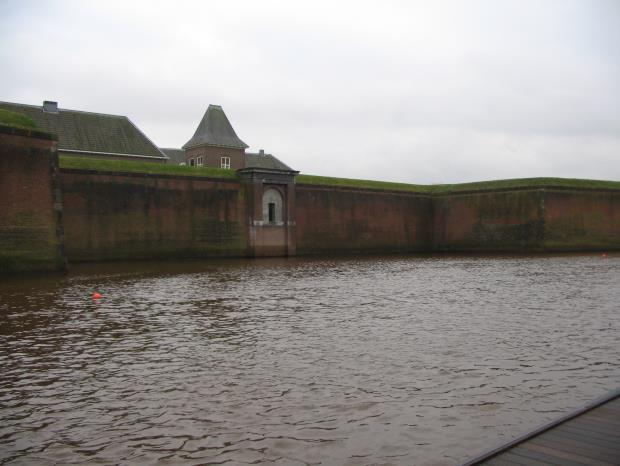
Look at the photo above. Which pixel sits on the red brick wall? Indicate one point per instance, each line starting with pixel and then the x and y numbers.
pixel 137 216
pixel 545 219
pixel 30 206
pixel 489 221
pixel 347 220
pixel 582 220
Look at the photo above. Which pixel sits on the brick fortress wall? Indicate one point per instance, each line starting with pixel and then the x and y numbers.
pixel 117 216
pixel 527 220
pixel 126 216
pixel 354 220
pixel 31 237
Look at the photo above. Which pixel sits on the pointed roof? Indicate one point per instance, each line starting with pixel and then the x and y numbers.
pixel 215 130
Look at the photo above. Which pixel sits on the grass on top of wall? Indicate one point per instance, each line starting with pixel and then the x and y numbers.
pixel 92 163
pixel 451 188
pixel 16 120
pixel 526 183
pixel 353 183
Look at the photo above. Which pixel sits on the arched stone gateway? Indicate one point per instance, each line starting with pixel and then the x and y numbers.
pixel 272 207
pixel 270 194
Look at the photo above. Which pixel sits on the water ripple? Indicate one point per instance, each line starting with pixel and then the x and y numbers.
pixel 398 360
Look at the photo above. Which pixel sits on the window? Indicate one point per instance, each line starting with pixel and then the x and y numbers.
pixel 272 212
pixel 199 161
pixel 225 162
pixel 192 162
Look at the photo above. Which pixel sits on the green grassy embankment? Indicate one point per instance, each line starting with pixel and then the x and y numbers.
pixel 92 163
pixel 461 187
pixel 16 120
pixel 354 183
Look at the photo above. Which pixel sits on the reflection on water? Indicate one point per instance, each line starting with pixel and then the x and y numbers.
pixel 388 360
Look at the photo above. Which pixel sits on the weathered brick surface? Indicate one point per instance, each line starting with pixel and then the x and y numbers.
pixel 126 216
pixel 489 221
pixel 582 220
pixel 113 216
pixel 344 220
pixel 544 219
pixel 30 223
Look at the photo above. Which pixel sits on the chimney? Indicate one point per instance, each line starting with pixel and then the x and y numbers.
pixel 261 152
pixel 50 107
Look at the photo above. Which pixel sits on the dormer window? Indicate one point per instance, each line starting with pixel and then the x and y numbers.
pixel 225 162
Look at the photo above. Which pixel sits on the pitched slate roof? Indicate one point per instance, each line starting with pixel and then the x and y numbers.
pixel 215 130
pixel 86 132
pixel 265 161
pixel 176 156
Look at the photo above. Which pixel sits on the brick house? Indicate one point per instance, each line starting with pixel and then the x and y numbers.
pixel 91 134
pixel 215 143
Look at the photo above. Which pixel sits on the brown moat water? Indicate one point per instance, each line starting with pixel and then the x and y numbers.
pixel 353 361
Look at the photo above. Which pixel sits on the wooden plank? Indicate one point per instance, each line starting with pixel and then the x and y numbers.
pixel 592 425
pixel 593 454
pixel 501 461
pixel 580 448
pixel 595 442
pixel 605 442
pixel 520 460
pixel 587 427
pixel 600 416
pixel 564 457
pixel 584 431
pixel 609 409
pixel 545 457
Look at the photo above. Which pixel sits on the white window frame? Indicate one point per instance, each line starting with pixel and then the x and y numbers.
pixel 199 160
pixel 225 162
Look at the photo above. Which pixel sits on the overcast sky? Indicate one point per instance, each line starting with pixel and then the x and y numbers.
pixel 420 92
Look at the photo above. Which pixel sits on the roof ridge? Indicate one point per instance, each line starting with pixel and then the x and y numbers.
pixel 146 137
pixel 40 107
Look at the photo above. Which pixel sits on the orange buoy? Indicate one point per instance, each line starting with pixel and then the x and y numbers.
pixel 96 296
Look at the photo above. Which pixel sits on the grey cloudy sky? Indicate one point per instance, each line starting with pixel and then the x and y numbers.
pixel 421 92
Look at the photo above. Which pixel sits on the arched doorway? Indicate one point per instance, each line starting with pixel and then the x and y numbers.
pixel 272 207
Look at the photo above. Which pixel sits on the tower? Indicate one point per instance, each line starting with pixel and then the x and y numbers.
pixel 215 143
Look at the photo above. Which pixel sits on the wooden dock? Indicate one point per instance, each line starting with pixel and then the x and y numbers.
pixel 588 436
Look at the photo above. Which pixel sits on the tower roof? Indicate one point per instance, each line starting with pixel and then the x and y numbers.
pixel 215 130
